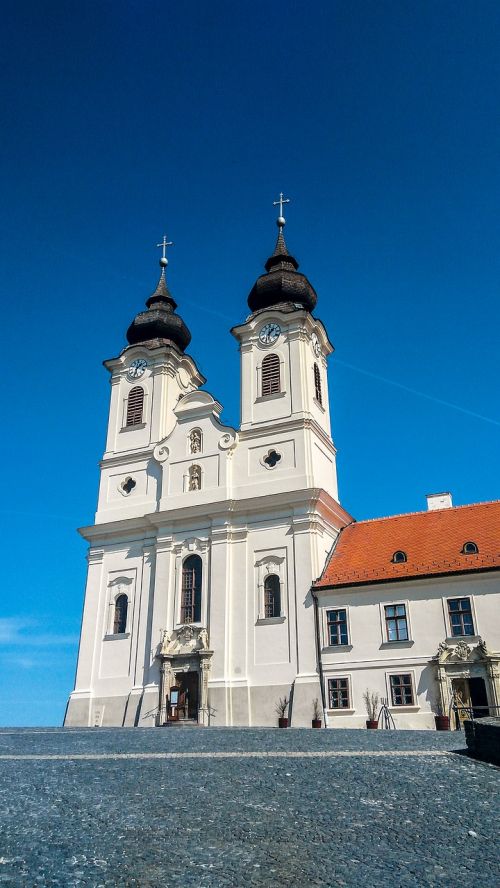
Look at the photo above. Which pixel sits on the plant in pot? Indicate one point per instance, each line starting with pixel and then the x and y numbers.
pixel 316 719
pixel 281 708
pixel 441 719
pixel 371 703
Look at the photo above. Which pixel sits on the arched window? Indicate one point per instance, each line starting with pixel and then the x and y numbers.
pixel 271 383
pixel 272 596
pixel 470 548
pixel 317 384
pixel 194 478
pixel 120 621
pixel 191 590
pixel 399 557
pixel 135 405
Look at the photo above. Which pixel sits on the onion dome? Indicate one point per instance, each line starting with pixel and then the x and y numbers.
pixel 159 322
pixel 282 283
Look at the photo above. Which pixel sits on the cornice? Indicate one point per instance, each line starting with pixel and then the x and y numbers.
pixel 163 356
pixel 126 457
pixel 293 321
pixel 287 426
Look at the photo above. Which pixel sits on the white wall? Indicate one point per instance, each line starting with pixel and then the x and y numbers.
pixel 369 658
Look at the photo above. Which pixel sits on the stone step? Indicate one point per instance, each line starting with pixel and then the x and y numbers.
pixel 182 723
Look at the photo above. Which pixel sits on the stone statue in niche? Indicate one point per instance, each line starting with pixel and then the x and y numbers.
pixel 203 637
pixel 195 441
pixel 194 478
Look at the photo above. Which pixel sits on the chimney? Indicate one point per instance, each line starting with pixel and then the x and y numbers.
pixel 438 501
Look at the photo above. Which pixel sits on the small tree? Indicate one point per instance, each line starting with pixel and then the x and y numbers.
pixel 316 710
pixel 371 701
pixel 282 706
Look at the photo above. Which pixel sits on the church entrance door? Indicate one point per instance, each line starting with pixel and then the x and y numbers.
pixel 188 683
pixel 470 696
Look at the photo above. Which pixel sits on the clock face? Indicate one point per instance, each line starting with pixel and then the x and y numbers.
pixel 316 345
pixel 269 333
pixel 137 368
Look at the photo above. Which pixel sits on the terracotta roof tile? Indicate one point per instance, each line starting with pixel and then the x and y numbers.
pixel 433 543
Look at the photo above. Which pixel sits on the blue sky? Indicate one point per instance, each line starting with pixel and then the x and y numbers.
pixel 122 121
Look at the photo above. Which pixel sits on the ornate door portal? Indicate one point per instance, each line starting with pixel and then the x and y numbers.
pixel 185 664
pixel 468 678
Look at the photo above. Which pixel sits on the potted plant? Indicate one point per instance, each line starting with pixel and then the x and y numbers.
pixel 371 702
pixel 281 708
pixel 442 720
pixel 316 719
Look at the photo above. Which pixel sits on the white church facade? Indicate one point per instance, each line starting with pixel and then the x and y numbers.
pixel 207 544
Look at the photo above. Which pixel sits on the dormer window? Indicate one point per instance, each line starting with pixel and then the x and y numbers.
pixel 470 548
pixel 399 557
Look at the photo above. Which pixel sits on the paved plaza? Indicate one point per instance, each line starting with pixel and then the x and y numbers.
pixel 249 807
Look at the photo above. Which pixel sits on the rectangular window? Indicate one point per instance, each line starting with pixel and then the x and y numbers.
pixel 338 693
pixel 337 626
pixel 460 613
pixel 395 622
pixel 401 690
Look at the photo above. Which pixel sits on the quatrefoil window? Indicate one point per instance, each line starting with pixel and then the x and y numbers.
pixel 128 485
pixel 272 459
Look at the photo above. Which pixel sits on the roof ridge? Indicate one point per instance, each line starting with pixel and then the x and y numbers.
pixel 426 512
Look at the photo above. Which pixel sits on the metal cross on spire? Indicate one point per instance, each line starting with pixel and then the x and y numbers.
pixel 164 244
pixel 282 200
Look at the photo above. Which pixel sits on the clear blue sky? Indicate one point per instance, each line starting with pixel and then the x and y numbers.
pixel 124 120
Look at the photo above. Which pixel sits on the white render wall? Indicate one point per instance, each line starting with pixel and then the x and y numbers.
pixel 369 659
pixel 247 519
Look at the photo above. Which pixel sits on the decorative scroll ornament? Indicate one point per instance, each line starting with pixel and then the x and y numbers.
pixel 228 440
pixel 272 567
pixel 462 651
pixel 161 452
pixel 186 639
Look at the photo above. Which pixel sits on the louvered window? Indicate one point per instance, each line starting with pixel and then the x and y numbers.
pixel 191 590
pixel 317 384
pixel 120 621
pixel 135 406
pixel 271 375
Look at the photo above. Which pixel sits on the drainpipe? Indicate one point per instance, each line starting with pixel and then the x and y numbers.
pixel 319 661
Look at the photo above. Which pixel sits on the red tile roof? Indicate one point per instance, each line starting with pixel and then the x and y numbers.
pixel 433 542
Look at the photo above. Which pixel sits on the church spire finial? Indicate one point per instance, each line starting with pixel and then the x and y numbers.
pixel 160 323
pixel 282 283
pixel 281 221
pixel 163 260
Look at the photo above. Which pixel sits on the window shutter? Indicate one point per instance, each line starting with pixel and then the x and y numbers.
pixel 270 375
pixel 317 384
pixel 135 405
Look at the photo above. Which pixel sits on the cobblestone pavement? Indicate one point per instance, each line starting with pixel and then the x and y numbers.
pixel 291 808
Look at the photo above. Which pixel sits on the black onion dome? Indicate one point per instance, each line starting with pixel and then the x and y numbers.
pixel 159 322
pixel 282 283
